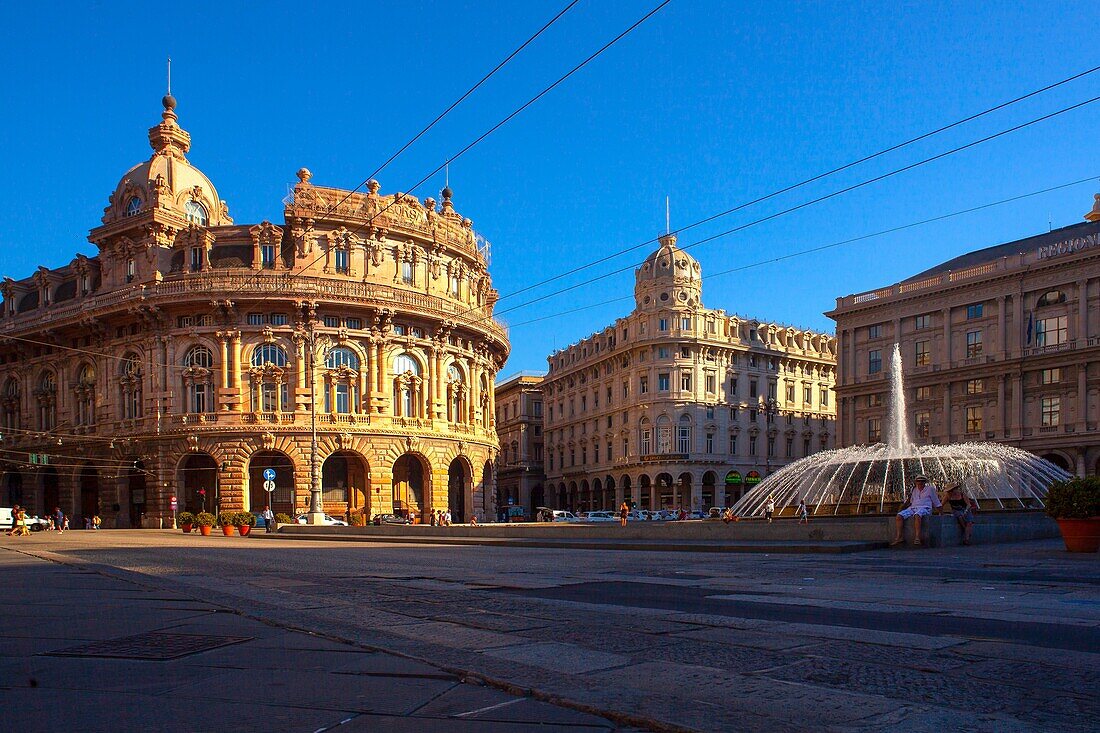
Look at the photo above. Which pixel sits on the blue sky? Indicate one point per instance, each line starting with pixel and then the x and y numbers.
pixel 711 103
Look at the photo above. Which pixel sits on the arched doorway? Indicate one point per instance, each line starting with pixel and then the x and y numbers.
pixel 584 498
pixel 563 498
pixel 198 481
pixel 282 498
pixel 51 489
pixel 537 499
pixel 459 484
pixel 487 486
pixel 628 496
pixel 1058 460
pixel 410 486
pixel 664 491
pixel 572 498
pixel 132 502
pixel 88 489
pixel 734 487
pixel 597 496
pixel 646 492
pixel 344 483
pixel 709 480
pixel 683 493
pixel 13 488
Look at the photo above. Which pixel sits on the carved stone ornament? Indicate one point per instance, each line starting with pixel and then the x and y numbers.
pixel 268 441
pixel 193 443
pixel 462 447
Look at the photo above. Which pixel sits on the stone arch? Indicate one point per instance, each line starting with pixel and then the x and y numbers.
pixel 597 496
pixel 282 498
pixel 488 484
pixel 345 481
pixel 411 485
pixel 709 497
pixel 131 492
pixel 645 488
pixel 197 481
pixel 460 488
pixel 50 485
pixel 87 491
pixel 538 498
pixel 683 493
pixel 663 485
pixel 572 497
pixel 1061 459
pixel 13 492
pixel 562 498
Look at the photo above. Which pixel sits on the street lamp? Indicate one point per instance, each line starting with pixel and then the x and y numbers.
pixel 316 509
pixel 770 407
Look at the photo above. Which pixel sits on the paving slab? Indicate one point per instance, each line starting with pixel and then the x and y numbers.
pixel 567 658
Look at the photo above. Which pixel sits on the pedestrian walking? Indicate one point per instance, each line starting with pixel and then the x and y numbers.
pixel 96 521
pixel 19 522
pixel 58 519
pixel 769 509
pixel 447 518
pixel 803 515
pixel 269 519
pixel 624 512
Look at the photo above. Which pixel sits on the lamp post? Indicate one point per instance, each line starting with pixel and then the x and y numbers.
pixel 770 407
pixel 316 509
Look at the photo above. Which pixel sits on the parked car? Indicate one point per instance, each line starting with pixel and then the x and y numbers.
pixel 554 515
pixel 380 519
pixel 34 524
pixel 599 516
pixel 327 521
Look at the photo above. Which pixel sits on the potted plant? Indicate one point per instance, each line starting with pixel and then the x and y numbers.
pixel 244 522
pixel 225 520
pixel 204 520
pixel 281 518
pixel 186 521
pixel 1075 504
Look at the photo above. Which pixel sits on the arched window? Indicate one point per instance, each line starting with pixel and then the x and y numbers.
pixel 84 391
pixel 683 435
pixel 342 381
pixel 664 434
pixel 646 436
pixel 457 410
pixel 46 396
pixel 196 213
pixel 130 387
pixel 407 386
pixel 133 206
pixel 11 404
pixel 1051 297
pixel 269 354
pixel 198 380
pixel 268 377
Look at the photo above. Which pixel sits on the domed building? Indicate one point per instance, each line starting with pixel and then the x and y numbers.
pixel 677 405
pixel 353 346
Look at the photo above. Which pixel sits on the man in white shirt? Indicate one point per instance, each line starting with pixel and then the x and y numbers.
pixel 922 500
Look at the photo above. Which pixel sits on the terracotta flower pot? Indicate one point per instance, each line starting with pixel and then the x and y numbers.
pixel 204 530
pixel 186 528
pixel 245 529
pixel 1080 535
pixel 227 530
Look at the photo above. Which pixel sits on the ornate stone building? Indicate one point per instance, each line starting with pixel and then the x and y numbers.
pixel 187 356
pixel 999 344
pixel 520 476
pixel 680 405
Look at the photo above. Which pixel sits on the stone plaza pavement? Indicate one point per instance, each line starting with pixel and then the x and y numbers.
pixel 997 638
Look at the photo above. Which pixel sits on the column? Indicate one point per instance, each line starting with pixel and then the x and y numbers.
pixel 225 360
pixel 1002 407
pixel 235 375
pixel 947 412
pixel 1016 416
pixel 946 313
pixel 1002 326
pixel 1018 324
pixel 1083 311
pixel 1082 398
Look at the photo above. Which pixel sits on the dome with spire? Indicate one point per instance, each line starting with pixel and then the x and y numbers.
pixel 167 181
pixel 669 277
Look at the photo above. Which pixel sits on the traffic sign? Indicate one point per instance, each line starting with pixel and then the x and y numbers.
pixel 269 486
pixel 269 474
pixel 175 504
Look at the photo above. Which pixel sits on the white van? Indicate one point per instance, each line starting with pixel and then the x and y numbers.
pixel 557 515
pixel 34 524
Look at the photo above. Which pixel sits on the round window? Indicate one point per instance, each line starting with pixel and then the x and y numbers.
pixel 664 296
pixel 646 300
pixel 683 296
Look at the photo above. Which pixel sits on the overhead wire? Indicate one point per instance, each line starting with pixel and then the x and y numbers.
pixel 820 248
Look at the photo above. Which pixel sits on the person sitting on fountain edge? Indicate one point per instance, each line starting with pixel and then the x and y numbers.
pixel 922 500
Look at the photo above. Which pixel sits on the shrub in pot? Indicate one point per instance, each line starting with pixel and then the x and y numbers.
pixel 186 520
pixel 281 518
pixel 204 520
pixel 1075 504
pixel 225 521
pixel 244 522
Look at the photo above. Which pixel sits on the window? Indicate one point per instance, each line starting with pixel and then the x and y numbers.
pixel 400 329
pixel 1051 331
pixel 752 445
pixel 923 420
pixel 973 344
pixel 924 353
pixel 663 382
pixel 343 261
pixel 973 419
pixel 1052 411
pixel 354 323
pixel 646 435
pixel 408 275
pixel 874 430
pixel 922 322
pixel 753 389
pixel 133 206
pixel 974 311
pixel 685 323
pixel 683 435
pixel 874 400
pixel 662 324
pixel 874 361
pixel 975 386
pixel 790 393
pixel 790 447
pixel 733 445
pixel 131 270
pixel 626 389
pixel 330 321
pixel 279 319
pixel 685 382
pixel 46 394
pixel 1051 297
pixel 824 397
pixel 1051 376
pixel 685 352
pixel 407 386
pixel 130 387
pixel 452 286
pixel 710 412
pixel 256 319
pixel 662 352
pixel 924 393
pixel 85 395
pixel 267 255
pixel 536 409
pixel 664 434
pixel 269 354
pixel 805 446
pixel 196 213
pixel 712 383
pixel 875 331
pixel 198 379
pixel 808 395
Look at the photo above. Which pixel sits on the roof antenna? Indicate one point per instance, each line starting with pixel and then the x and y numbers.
pixel 668 229
pixel 169 76
pixel 1050 223
pixel 447 176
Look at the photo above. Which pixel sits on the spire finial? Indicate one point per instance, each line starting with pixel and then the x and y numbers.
pixel 169 76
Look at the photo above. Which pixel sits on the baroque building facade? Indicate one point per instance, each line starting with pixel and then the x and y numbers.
pixel 680 405
pixel 520 475
pixel 186 358
pixel 1000 344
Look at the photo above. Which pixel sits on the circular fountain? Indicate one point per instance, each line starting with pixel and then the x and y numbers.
pixel 866 479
